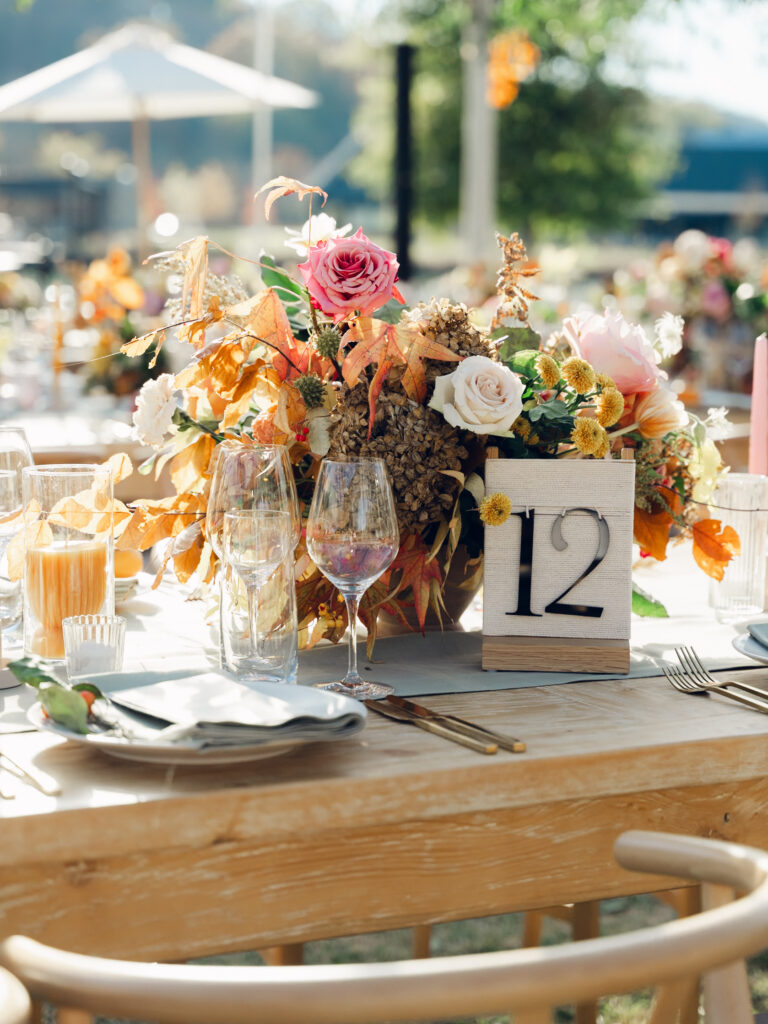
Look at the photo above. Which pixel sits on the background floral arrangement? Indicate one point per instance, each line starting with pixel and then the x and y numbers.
pixel 721 290
pixel 334 365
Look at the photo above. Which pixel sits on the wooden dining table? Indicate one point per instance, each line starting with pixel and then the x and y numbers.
pixel 390 827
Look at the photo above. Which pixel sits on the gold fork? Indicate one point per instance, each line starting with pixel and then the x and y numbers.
pixel 688 684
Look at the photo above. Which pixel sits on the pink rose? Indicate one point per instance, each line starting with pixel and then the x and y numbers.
pixel 345 275
pixel 616 347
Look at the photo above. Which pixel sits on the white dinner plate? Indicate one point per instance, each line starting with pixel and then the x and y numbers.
pixel 158 753
pixel 745 643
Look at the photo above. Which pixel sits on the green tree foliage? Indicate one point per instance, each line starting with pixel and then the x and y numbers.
pixel 575 151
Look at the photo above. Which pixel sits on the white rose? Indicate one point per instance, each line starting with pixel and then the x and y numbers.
pixel 481 396
pixel 155 407
pixel 692 250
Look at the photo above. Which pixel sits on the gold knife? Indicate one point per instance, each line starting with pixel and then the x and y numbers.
pixel 482 746
pixel 459 724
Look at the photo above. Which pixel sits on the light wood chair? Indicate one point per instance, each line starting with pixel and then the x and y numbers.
pixel 15 1004
pixel 525 982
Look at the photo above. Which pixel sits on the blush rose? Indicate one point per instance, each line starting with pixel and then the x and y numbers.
pixel 481 396
pixel 348 275
pixel 616 347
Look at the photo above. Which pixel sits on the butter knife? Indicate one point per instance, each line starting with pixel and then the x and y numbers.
pixel 459 724
pixel 482 746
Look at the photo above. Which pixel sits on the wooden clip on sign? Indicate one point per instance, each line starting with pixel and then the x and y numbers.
pixel 557 591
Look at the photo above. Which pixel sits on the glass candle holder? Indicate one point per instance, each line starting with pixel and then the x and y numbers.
pixel 68 551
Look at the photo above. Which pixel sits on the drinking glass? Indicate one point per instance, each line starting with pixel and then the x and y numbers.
pixel 741 501
pixel 15 453
pixel 256 541
pixel 68 556
pixel 247 477
pixel 353 537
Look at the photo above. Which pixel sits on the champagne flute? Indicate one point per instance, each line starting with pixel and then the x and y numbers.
pixel 353 537
pixel 255 543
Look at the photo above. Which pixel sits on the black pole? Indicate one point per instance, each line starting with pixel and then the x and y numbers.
pixel 403 159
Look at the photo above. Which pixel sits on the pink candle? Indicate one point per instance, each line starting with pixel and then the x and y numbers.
pixel 758 429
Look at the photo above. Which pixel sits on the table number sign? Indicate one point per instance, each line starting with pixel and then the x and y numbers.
pixel 557 591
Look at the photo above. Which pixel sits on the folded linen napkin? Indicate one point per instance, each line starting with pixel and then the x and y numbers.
pixel 212 709
pixel 759 631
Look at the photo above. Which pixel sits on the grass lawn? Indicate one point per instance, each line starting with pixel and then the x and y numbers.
pixel 504 932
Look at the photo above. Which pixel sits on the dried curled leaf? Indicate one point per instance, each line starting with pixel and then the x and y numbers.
pixel 138 346
pixel 282 186
pixel 375 341
pixel 714 545
pixel 195 255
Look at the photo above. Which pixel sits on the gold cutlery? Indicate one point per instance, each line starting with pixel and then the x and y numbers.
pixel 458 724
pixel 692 665
pixel 685 684
pixel 40 781
pixel 483 746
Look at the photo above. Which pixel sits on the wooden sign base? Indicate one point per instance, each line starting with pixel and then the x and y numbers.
pixel 555 654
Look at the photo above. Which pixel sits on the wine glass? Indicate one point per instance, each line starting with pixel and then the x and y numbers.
pixel 352 537
pixel 244 477
pixel 15 453
pixel 255 542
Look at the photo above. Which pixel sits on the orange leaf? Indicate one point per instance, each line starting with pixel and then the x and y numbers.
pixel 266 323
pixel 651 529
pixel 283 186
pixel 386 344
pixel 194 331
pixel 195 255
pixel 714 545
pixel 418 572
pixel 138 346
pixel 189 467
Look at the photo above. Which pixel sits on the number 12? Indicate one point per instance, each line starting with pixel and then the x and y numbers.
pixel 525 577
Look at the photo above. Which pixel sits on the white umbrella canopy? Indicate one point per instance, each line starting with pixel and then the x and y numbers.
pixel 140 73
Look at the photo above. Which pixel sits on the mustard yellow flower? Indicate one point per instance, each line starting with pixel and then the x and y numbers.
pixel 609 406
pixel 579 374
pixel 605 381
pixel 522 427
pixel 588 436
pixel 603 448
pixel 548 370
pixel 495 509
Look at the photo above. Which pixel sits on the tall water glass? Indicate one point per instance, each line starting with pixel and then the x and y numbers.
pixel 15 453
pixel 68 551
pixel 255 477
pixel 741 501
pixel 353 537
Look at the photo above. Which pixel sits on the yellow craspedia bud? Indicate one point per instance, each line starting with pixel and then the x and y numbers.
pixel 609 406
pixel 495 509
pixel 605 381
pixel 579 374
pixel 548 370
pixel 522 428
pixel 588 436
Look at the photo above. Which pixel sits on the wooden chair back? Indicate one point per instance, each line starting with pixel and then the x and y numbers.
pixel 519 981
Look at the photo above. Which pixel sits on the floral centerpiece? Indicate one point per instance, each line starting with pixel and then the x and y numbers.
pixel 334 364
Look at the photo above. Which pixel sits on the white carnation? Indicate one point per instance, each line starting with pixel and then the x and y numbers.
pixel 319 228
pixel 155 407
pixel 669 335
